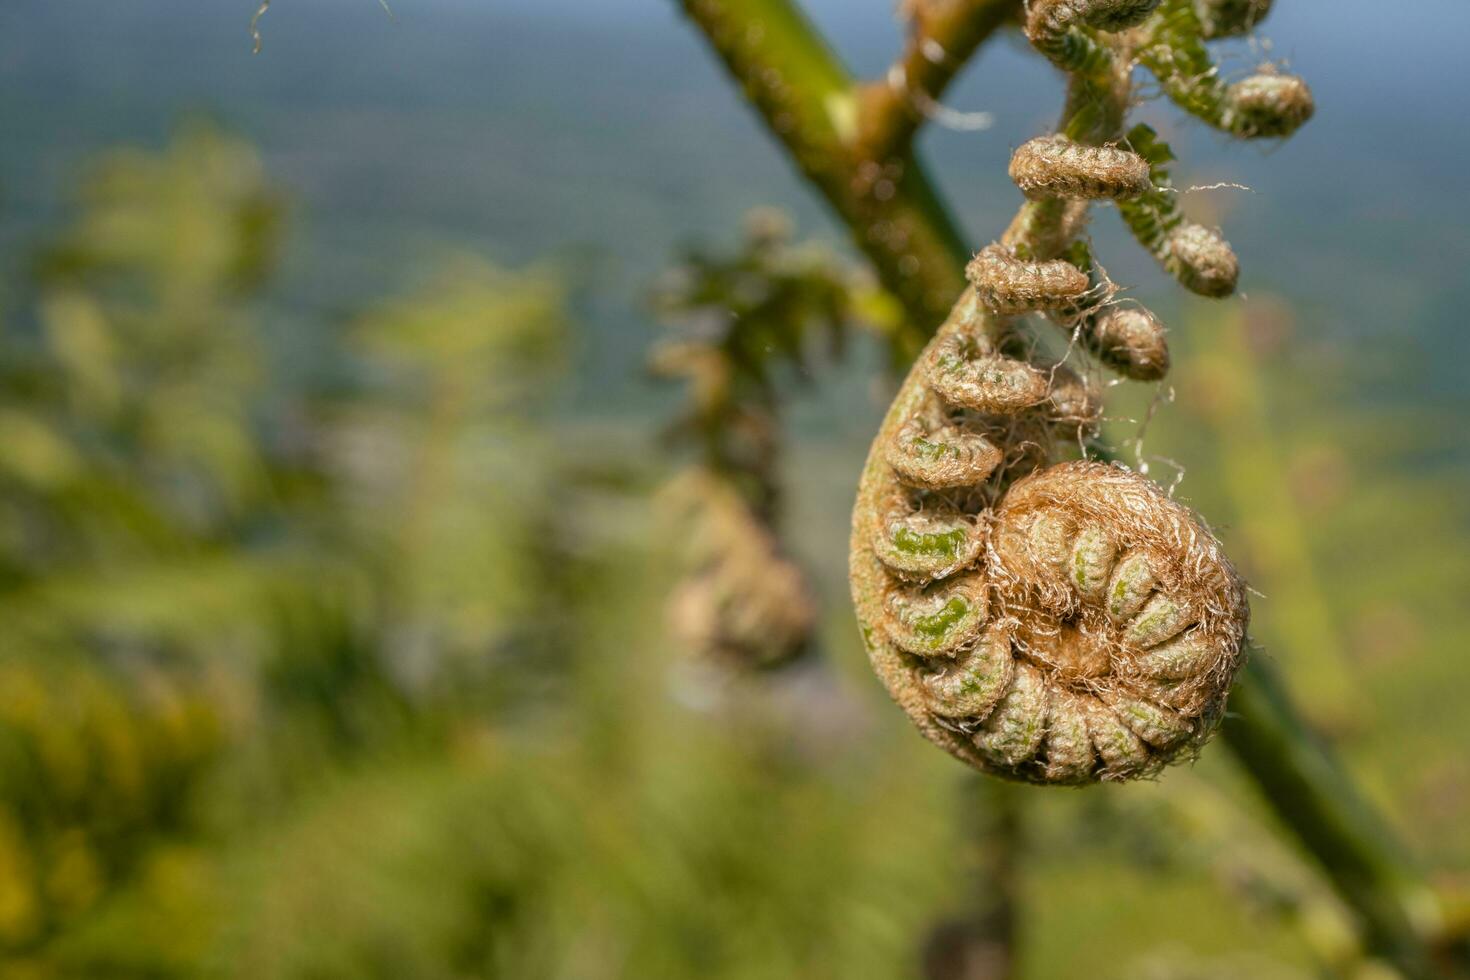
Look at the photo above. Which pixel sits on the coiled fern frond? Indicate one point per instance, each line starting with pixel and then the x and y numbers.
pixel 1062 622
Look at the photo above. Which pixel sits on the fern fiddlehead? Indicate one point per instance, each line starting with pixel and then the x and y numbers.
pixel 1061 623
pixel 743 602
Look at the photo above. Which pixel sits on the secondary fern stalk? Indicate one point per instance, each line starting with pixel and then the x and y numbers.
pixel 943 34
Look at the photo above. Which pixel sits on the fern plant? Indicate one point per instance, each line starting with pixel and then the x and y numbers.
pixel 978 412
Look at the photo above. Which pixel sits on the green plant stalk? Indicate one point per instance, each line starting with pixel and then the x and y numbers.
pixel 808 102
pixel 1316 800
pixel 992 836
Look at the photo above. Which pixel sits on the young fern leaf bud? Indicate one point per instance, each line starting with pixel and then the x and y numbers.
pixel 1113 630
pixel 940 457
pixel 749 617
pixel 924 542
pixel 1229 18
pixel 1267 105
pixel 1130 340
pixel 1009 286
pixel 742 602
pixel 1055 166
pixel 1073 624
pixel 963 372
pixel 1055 28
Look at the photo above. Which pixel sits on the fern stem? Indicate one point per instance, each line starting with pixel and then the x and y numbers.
pixel 1315 799
pixel 809 103
pixel 943 35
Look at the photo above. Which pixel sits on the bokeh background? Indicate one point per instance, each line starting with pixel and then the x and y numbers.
pixel 335 549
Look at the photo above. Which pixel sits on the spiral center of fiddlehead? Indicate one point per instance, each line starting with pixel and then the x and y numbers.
pixel 1078 655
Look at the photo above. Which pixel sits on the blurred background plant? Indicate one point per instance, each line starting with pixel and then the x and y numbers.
pixel 335 639
pixel 752 325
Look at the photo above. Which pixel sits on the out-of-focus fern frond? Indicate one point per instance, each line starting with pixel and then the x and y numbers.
pixel 749 320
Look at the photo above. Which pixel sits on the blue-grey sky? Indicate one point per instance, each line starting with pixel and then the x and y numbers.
pixel 524 127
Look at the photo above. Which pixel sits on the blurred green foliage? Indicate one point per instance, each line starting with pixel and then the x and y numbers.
pixel 214 590
pixel 366 678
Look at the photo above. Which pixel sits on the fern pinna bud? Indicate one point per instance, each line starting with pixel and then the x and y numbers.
pixel 925 540
pixel 1111 633
pixel 935 620
pixel 1009 285
pixel 1229 18
pixel 1130 340
pixel 963 372
pixel 1054 27
pixel 1050 18
pixel 1202 261
pixel 1073 405
pixel 973 681
pixel 1267 106
pixel 1055 166
pixel 940 457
